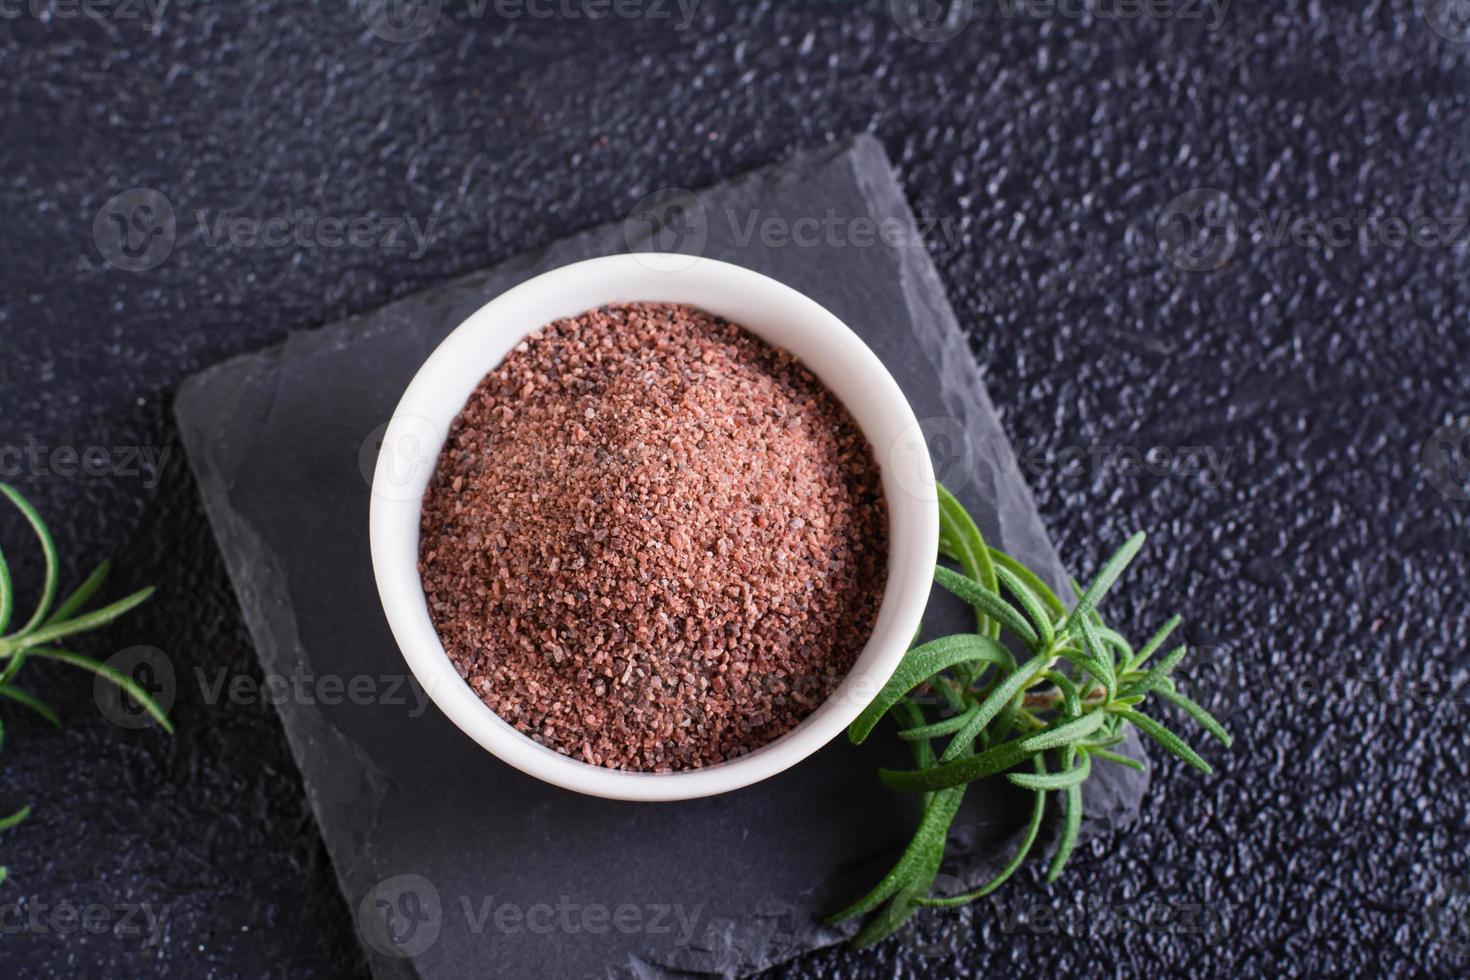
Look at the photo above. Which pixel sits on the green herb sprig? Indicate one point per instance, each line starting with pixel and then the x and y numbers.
pixel 37 636
pixel 1042 723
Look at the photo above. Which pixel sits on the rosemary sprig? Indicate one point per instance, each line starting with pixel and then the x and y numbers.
pixel 47 625
pixel 1043 724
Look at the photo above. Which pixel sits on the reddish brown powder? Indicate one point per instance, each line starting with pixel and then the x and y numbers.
pixel 652 540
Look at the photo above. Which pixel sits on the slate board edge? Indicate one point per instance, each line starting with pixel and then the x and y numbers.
pixel 948 352
pixel 261 607
pixel 950 358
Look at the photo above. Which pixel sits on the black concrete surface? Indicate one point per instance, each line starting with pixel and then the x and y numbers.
pixel 1325 543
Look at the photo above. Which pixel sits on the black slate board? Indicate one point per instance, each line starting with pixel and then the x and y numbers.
pixel 454 863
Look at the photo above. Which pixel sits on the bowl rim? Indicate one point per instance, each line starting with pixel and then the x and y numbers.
pixel 431 401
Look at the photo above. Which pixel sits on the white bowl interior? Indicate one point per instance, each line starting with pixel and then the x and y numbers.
pixel 772 311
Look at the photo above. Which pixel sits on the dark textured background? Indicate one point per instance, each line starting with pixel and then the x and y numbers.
pixel 1333 838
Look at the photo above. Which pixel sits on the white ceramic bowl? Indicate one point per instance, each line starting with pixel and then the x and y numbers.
pixel 775 312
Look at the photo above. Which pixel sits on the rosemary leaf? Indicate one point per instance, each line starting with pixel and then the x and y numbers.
pixel 1032 580
pixel 1019 679
pixel 1104 660
pixel 1071 823
pixel 1107 741
pixel 961 542
pixel 1156 675
pixel 1077 596
pixel 1064 734
pixel 78 599
pixel 7 595
pixel 1071 697
pixel 949 689
pixel 48 549
pixel 1033 827
pixel 938 728
pixel 31 701
pixel 1109 573
pixel 1154 644
pixel 112 676
pixel 964 770
pixel 903 904
pixel 1057 780
pixel 919 665
pixel 81 624
pixel 12 667
pixel 1120 759
pixel 1171 742
pixel 19 815
pixel 907 712
pixel 1094 668
pixel 987 601
pixel 889 918
pixel 1029 602
pixel 1198 713
pixel 930 837
pixel 1116 640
